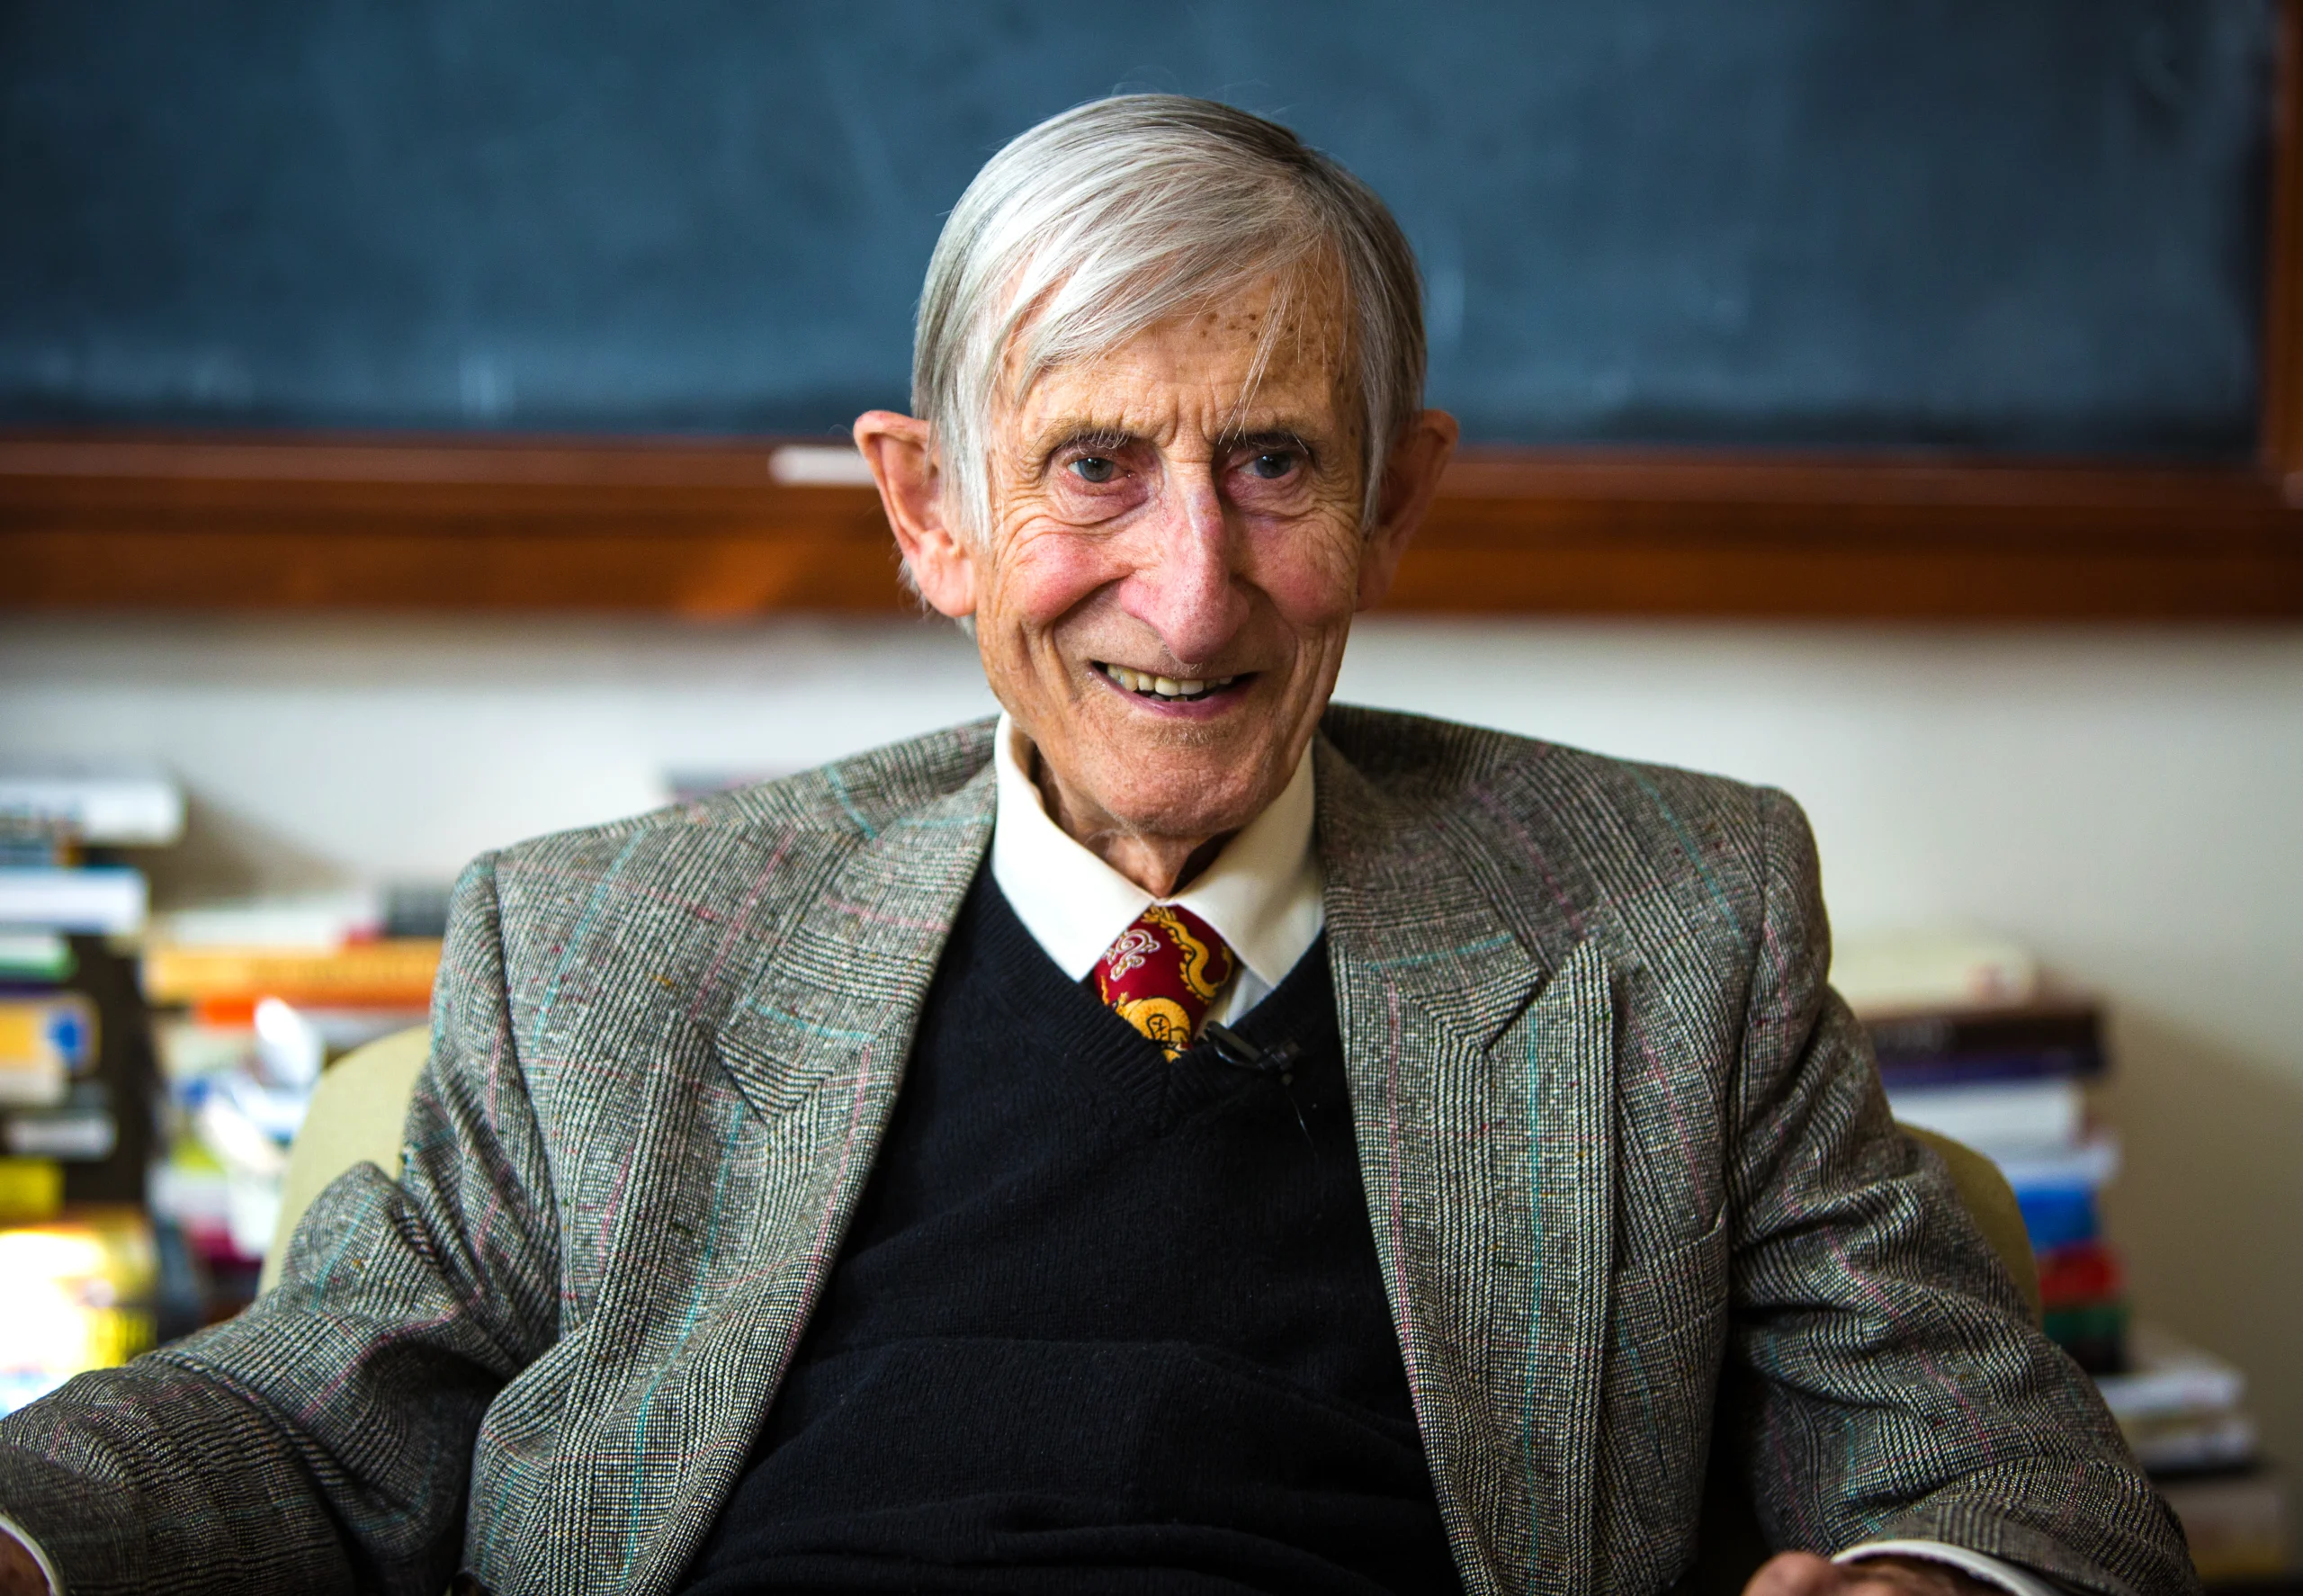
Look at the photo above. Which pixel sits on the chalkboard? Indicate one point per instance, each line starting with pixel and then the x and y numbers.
pixel 2018 225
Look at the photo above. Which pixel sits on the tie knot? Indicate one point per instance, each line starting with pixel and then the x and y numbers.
pixel 1161 974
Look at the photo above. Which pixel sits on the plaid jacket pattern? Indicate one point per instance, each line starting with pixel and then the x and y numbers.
pixel 1617 1137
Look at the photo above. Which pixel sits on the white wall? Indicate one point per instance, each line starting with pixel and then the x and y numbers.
pixel 2128 802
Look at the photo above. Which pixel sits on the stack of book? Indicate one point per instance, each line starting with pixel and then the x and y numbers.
pixel 1975 1044
pixel 2009 1082
pixel 251 1006
pixel 2184 1412
pixel 76 1256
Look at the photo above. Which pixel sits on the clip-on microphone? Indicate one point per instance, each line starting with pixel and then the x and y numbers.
pixel 1233 1049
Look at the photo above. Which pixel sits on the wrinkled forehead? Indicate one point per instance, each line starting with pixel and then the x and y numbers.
pixel 1266 348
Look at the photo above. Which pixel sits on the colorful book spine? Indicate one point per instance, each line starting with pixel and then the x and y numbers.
pixel 247 1031
pixel 92 900
pixel 2010 1081
pixel 72 1068
pixel 387 973
pixel 47 1039
pixel 78 1255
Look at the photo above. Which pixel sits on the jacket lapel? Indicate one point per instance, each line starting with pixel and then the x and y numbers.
pixel 853 974
pixel 816 1048
pixel 1486 1142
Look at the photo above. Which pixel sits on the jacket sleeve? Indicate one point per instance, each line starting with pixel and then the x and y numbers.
pixel 322 1440
pixel 1893 1386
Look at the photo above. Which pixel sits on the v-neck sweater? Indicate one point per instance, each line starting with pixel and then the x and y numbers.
pixel 1103 1322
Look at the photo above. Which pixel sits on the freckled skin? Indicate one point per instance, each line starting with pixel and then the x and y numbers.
pixel 1144 517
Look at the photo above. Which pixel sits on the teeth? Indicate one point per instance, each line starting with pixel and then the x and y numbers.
pixel 1140 681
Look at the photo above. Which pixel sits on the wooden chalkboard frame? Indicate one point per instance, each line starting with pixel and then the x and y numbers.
pixel 97 521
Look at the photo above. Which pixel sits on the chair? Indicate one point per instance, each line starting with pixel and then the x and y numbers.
pixel 1991 1203
pixel 356 1116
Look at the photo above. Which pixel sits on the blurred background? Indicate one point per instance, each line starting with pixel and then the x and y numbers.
pixel 422 426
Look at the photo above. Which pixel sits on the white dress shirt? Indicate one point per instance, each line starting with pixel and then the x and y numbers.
pixel 1261 896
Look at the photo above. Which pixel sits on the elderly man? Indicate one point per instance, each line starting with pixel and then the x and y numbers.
pixel 1183 1137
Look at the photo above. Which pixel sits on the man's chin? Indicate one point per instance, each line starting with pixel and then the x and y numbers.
pixel 1158 778
pixel 1188 801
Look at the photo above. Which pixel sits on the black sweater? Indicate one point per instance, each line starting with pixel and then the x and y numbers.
pixel 1103 1322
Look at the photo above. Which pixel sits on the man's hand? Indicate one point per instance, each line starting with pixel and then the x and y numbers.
pixel 19 1574
pixel 1803 1573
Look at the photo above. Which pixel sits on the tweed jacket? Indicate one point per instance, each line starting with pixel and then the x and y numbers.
pixel 1617 1137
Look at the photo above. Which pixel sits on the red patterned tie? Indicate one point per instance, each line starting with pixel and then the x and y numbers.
pixel 1163 973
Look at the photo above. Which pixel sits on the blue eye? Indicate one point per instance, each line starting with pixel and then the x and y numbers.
pixel 1095 468
pixel 1269 465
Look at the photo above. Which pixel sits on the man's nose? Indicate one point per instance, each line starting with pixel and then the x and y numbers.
pixel 1182 587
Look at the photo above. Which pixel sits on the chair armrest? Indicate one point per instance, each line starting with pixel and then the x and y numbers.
pixel 1991 1203
pixel 358 1113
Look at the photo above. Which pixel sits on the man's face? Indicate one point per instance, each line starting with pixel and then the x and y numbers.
pixel 1150 533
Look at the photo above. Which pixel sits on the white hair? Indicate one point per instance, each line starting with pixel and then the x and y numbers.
pixel 1122 213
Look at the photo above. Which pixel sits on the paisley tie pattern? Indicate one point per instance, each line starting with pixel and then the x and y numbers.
pixel 1162 973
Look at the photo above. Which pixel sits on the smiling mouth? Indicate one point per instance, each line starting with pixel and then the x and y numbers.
pixel 1166 689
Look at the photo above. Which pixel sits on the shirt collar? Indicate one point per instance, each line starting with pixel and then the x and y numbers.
pixel 1261 896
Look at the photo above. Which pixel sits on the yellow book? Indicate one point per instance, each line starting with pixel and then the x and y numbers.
pixel 394 972
pixel 44 1041
pixel 31 1189
pixel 78 1290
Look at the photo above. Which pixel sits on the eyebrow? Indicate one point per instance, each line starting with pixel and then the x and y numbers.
pixel 1112 438
pixel 1094 438
pixel 1276 437
pixel 1265 438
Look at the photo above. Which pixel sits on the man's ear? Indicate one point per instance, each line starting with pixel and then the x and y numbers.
pixel 1410 479
pixel 902 458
